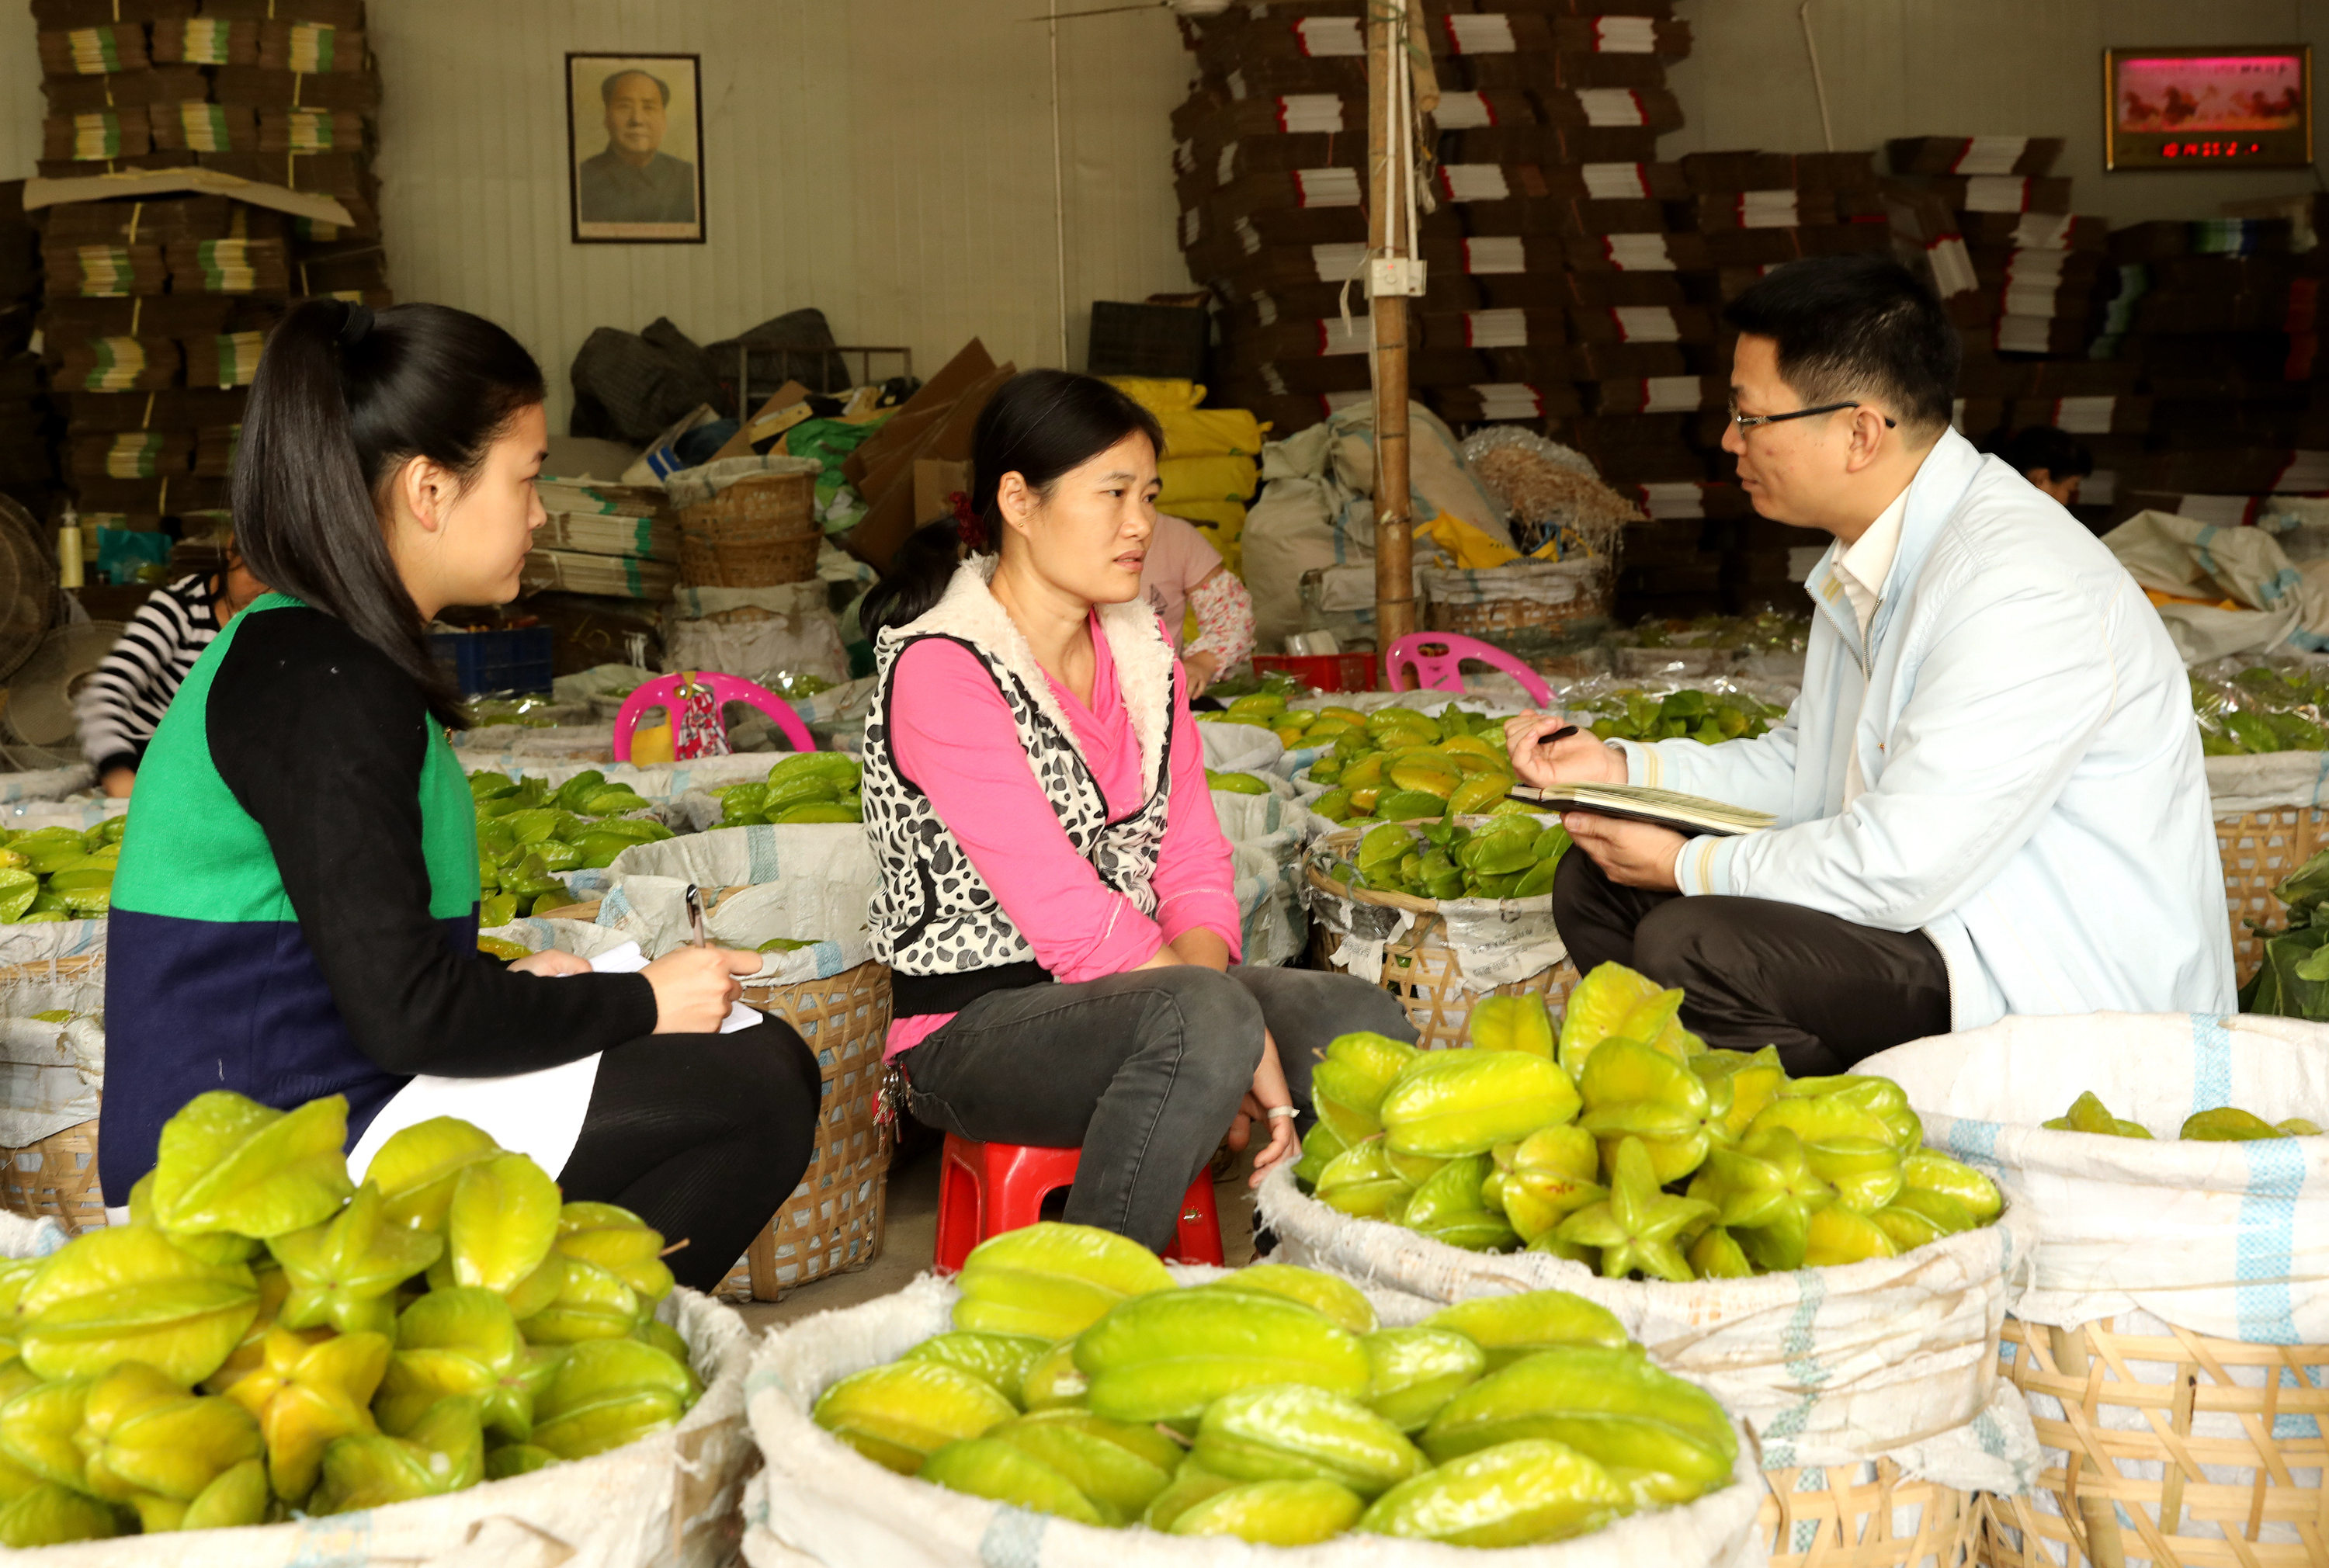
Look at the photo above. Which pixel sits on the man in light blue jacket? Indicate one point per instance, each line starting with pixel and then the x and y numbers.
pixel 1989 795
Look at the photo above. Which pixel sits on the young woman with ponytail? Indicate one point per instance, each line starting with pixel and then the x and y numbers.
pixel 1056 903
pixel 296 911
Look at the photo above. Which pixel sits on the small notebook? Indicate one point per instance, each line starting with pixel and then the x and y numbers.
pixel 1636 803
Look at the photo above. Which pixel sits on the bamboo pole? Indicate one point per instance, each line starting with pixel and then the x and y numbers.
pixel 1387 111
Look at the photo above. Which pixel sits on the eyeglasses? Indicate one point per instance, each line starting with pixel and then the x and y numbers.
pixel 1747 422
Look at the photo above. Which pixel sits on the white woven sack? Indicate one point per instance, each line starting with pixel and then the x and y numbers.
pixel 1894 1357
pixel 809 881
pixel 51 1074
pixel 504 745
pixel 666 1501
pixel 2237 785
pixel 820 1502
pixel 655 783
pixel 2225 1239
pixel 1240 747
pixel 45 941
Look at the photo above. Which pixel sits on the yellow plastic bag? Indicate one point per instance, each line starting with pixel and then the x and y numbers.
pixel 1207 480
pixel 1212 433
pixel 1159 396
pixel 1472 549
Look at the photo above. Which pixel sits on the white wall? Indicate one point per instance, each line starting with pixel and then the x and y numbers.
pixel 1903 68
pixel 887 160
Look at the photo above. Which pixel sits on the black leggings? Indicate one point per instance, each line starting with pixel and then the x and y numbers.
pixel 702 1136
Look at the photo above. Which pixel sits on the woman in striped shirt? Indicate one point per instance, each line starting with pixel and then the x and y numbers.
pixel 125 698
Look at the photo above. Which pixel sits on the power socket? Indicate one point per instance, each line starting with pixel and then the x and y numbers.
pixel 1392 277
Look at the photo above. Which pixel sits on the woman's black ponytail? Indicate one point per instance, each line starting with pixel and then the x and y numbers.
pixel 342 399
pixel 1040 425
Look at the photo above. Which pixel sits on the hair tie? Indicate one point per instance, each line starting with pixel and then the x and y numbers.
pixel 355 323
pixel 967 522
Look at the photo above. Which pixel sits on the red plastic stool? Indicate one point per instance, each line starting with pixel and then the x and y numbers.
pixel 987 1188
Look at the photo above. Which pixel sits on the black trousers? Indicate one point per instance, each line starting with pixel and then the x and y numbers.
pixel 1755 972
pixel 1142 1070
pixel 701 1136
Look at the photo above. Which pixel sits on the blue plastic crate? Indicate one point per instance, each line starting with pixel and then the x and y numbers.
pixel 488 663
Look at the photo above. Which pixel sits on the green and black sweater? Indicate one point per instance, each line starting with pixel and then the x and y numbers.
pixel 296 912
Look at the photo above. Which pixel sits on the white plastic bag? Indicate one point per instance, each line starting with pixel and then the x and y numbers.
pixel 820 1502
pixel 1895 1358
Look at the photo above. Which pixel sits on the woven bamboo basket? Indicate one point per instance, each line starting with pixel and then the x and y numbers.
pixel 2259 850
pixel 1466 601
pixel 56 1177
pixel 1880 1520
pixel 1418 966
pixel 2159 1454
pixel 832 1224
pixel 758 532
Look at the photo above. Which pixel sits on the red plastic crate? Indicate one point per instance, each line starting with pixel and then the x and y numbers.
pixel 1325 672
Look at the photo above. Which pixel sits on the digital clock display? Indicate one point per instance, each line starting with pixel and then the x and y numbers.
pixel 2169 109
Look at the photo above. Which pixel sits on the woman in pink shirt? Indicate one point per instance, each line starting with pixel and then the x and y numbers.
pixel 1056 904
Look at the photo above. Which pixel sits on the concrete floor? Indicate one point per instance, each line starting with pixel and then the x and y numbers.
pixel 910 1240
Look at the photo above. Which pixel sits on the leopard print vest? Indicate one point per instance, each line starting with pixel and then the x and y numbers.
pixel 934 921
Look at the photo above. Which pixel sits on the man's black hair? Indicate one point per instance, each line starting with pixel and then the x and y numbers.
pixel 607 84
pixel 1857 326
pixel 2044 446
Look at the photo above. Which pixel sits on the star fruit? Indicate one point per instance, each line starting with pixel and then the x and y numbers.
pixel 417 1168
pixel 125 1293
pixel 2088 1113
pixel 1765 1192
pixel 307 1395
pixel 1637 1226
pixel 464 1342
pixel 618 1241
pixel 146 1441
pixel 445 1451
pixel 228 1163
pixel 344 1272
pixel 1631 1090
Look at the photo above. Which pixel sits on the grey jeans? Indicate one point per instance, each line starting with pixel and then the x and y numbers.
pixel 1143 1071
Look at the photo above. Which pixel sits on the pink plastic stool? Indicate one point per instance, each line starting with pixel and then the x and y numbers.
pixel 663 693
pixel 1438 657
pixel 987 1188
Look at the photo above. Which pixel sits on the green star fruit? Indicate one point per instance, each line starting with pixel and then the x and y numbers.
pixel 1413 1371
pixel 1765 1193
pixel 417 1168
pixel 1320 1145
pixel 1631 1093
pixel 610 1392
pixel 1360 1181
pixel 1755 1082
pixel 37 1425
pixel 516 1459
pixel 1637 1228
pixel 51 1516
pixel 1865 1173
pixel 464 1341
pixel 1340 1300
pixel 1513 1023
pixel 618 1241
pixel 1597 1009
pixel 125 1293
pixel 2088 1113
pixel 1000 1359
pixel 1515 1494
pixel 1508 1328
pixel 444 1451
pixel 1052 1280
pixel 1347 1086
pixel 1929 1172
pixel 502 1222
pixel 239 1497
pixel 591 1303
pixel 1449 1104
pixel 143 1436
pixel 228 1163
pixel 344 1272
pixel 1716 1255
pixel 210 1247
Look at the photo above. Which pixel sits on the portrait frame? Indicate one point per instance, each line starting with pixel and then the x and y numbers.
pixel 611 197
pixel 2183 108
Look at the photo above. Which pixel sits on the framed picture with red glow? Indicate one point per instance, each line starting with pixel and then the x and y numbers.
pixel 2208 108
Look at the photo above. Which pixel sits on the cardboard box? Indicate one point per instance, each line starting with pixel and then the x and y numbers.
pixel 969 366
pixel 787 407
pixel 937 481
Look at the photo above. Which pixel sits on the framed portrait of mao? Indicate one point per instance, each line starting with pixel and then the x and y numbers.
pixel 634 148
